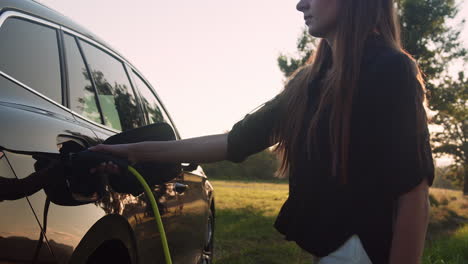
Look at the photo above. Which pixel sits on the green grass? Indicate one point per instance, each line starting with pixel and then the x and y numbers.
pixel 449 249
pixel 266 198
pixel 246 211
pixel 447 239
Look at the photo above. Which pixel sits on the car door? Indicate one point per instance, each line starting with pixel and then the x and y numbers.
pixel 34 118
pixel 121 111
pixel 189 185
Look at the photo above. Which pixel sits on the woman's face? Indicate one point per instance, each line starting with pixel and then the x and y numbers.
pixel 320 16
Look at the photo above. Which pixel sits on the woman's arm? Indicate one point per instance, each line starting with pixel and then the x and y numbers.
pixel 410 226
pixel 197 150
pixel 248 136
pixel 193 150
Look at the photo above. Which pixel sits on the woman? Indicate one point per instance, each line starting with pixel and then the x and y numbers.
pixel 352 133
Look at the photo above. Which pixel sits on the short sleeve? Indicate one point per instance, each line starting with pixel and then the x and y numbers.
pixel 253 133
pixel 398 148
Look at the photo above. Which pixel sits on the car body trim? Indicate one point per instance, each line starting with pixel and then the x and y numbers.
pixel 94 123
pixel 9 14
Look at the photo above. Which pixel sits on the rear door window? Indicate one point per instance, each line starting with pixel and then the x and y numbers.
pixel 29 53
pixel 82 95
pixel 115 94
pixel 153 110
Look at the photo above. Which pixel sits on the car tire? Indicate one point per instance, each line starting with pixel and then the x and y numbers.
pixel 207 254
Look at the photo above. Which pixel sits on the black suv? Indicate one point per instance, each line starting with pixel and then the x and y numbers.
pixel 60 84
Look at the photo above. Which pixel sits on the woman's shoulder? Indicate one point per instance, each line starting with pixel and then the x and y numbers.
pixel 392 73
pixel 388 63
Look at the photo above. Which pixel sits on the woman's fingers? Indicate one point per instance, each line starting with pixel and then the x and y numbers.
pixel 106 167
pixel 120 150
pixel 112 168
pixel 101 148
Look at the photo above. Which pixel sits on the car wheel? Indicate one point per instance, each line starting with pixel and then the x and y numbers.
pixel 207 255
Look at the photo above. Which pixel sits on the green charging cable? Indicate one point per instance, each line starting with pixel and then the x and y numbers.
pixel 157 216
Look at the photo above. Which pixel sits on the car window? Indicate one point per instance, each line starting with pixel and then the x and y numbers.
pixel 115 94
pixel 29 53
pixel 82 95
pixel 153 110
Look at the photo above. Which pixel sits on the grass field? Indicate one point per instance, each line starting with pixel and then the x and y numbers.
pixel 245 213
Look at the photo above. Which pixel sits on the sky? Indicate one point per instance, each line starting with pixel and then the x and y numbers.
pixel 211 62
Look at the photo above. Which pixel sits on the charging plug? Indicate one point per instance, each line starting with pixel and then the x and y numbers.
pixel 92 159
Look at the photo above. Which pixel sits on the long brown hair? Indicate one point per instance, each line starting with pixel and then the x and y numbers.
pixel 358 19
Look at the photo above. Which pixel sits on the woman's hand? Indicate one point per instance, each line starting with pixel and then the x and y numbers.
pixel 121 151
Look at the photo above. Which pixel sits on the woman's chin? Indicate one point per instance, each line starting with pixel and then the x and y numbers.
pixel 315 33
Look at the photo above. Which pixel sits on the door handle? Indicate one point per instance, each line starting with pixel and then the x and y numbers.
pixel 180 187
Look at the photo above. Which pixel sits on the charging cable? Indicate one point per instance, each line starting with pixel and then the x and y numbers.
pixel 157 216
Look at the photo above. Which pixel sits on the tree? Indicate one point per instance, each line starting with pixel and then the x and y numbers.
pixel 428 38
pixel 435 45
pixel 452 116
pixel 306 44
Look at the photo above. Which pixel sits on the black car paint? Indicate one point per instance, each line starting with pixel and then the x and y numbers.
pixel 33 123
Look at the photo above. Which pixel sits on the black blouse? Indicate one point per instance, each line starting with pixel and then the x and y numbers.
pixel 320 214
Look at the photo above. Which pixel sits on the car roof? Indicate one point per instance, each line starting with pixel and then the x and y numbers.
pixel 39 10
